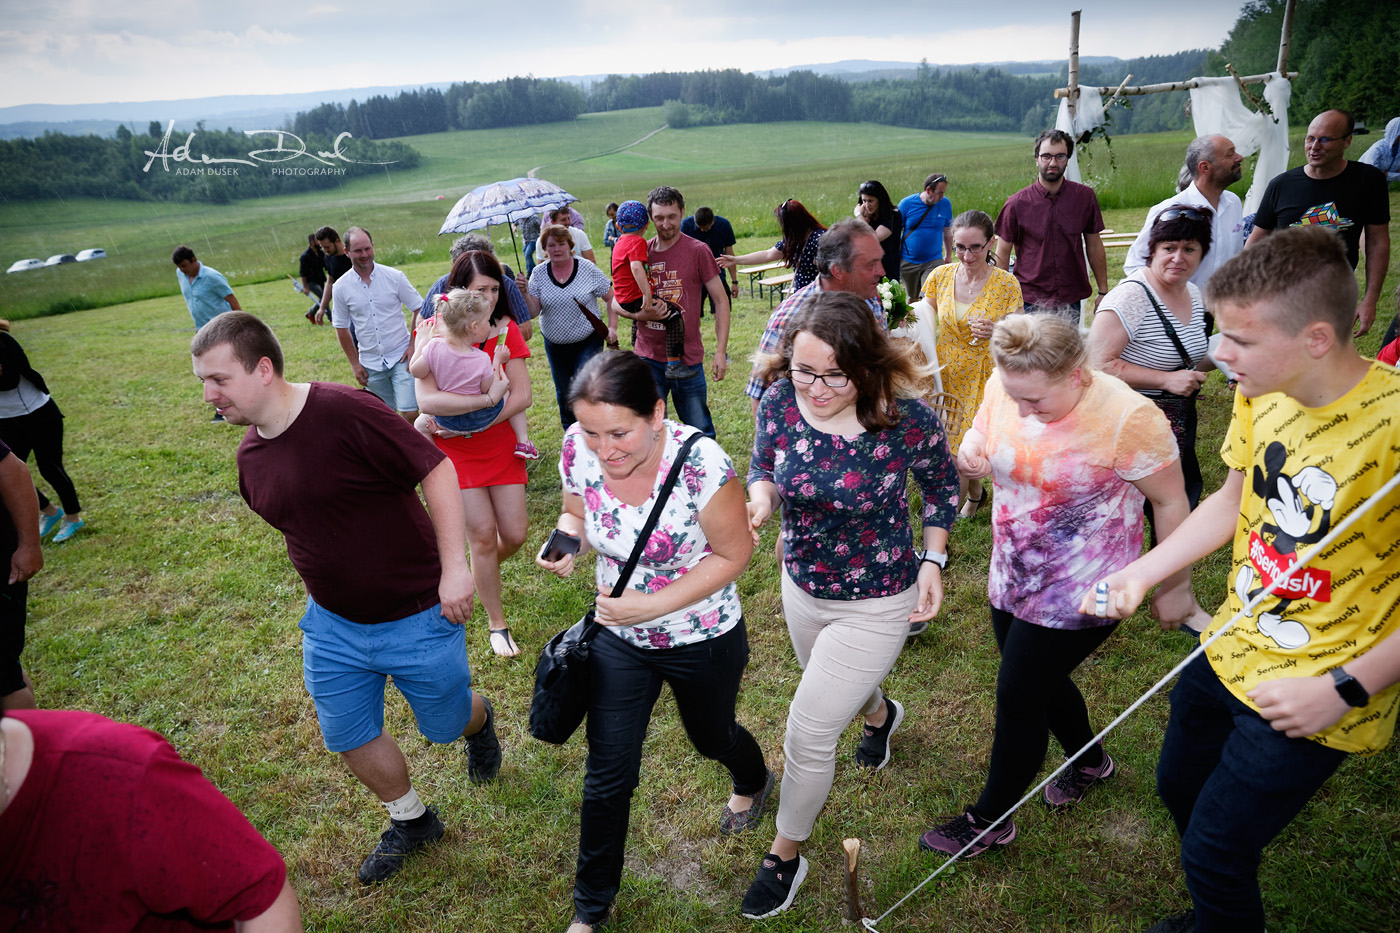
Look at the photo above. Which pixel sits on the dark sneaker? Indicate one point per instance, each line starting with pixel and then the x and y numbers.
pixel 774 887
pixel 874 749
pixel 917 628
pixel 731 823
pixel 1069 788
pixel 952 836
pixel 1177 923
pixel 400 840
pixel 484 750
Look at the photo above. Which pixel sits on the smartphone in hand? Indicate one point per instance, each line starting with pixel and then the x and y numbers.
pixel 559 544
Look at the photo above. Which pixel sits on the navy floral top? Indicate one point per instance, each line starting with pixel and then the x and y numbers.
pixel 805 268
pixel 845 502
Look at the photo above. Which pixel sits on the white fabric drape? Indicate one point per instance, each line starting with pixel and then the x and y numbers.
pixel 1087 115
pixel 1217 109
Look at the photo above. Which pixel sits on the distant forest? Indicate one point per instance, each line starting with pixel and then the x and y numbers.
pixel 1347 54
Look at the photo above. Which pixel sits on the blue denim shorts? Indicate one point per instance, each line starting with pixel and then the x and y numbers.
pixel 395 386
pixel 345 664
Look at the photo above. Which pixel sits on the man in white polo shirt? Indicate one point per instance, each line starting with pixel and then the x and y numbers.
pixel 373 297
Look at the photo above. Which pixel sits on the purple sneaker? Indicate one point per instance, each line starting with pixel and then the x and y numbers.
pixel 952 836
pixel 1074 782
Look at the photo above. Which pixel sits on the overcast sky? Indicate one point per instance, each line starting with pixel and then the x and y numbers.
pixel 86 51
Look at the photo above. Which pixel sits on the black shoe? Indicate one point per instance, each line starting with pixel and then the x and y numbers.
pixel 217 419
pixel 1177 923
pixel 400 840
pixel 874 749
pixel 774 887
pixel 484 750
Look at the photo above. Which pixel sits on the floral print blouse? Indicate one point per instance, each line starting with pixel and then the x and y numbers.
pixel 845 502
pixel 676 545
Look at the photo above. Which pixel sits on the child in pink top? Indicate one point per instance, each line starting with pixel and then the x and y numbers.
pixel 632 285
pixel 452 358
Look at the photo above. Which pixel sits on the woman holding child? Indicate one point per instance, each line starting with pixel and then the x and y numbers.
pixel 489 471
pixel 838 431
pixel 563 294
pixel 1072 454
pixel 679 620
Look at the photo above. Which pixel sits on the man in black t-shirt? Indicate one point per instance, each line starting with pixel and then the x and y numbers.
pixel 337 263
pixel 1330 191
pixel 716 233
pixel 312 271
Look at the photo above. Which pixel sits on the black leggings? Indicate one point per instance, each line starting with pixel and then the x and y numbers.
pixel 1035 697
pixel 42 432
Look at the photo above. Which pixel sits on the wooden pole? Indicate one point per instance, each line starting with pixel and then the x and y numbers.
pixel 850 901
pixel 1072 94
pixel 1170 86
pixel 1286 36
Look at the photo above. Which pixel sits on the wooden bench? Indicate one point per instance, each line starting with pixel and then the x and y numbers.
pixel 757 272
pixel 776 284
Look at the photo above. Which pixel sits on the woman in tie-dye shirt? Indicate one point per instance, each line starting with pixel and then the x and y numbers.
pixel 1072 454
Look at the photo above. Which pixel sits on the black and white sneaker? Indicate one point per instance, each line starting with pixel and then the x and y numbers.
pixel 484 749
pixel 874 749
pixel 400 840
pixel 774 887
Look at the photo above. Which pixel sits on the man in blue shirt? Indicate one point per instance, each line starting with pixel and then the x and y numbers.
pixel 206 292
pixel 716 233
pixel 928 233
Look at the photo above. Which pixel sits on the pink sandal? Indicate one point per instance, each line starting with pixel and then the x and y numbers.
pixel 526 451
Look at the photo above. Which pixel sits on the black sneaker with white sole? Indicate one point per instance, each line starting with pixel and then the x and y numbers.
pixel 400 840
pixel 874 749
pixel 774 887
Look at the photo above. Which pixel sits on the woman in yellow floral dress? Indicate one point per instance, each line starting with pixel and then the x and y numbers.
pixel 969 297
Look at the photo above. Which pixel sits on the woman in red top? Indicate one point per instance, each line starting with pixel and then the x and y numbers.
pixel 491 476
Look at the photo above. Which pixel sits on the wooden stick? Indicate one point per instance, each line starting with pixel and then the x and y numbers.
pixel 1170 86
pixel 1121 84
pixel 1285 35
pixel 1258 105
pixel 850 902
pixel 1072 92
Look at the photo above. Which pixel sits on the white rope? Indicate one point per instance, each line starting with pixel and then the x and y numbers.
pixel 1195 653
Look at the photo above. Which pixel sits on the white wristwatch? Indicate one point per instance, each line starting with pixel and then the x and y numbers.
pixel 936 557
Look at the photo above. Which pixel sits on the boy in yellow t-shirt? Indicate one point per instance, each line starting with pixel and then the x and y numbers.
pixel 1263 718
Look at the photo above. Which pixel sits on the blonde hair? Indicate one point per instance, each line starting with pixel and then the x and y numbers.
pixel 1042 343
pixel 460 308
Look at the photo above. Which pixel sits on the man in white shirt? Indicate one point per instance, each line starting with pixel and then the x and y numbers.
pixel 1212 165
pixel 373 298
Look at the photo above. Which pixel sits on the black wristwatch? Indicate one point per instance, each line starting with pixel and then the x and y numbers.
pixel 1350 688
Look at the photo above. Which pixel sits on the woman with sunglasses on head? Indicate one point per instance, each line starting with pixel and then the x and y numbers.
pixel 1150 331
pixel 797 249
pixel 839 430
pixel 969 297
pixel 873 205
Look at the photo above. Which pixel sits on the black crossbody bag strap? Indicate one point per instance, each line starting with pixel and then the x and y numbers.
pixel 1171 331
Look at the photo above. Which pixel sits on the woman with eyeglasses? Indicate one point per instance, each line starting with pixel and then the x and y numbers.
pixel 873 205
pixel 969 297
pixel 839 430
pixel 797 249
pixel 1150 331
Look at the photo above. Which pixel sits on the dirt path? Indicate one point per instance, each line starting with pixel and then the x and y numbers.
pixel 531 173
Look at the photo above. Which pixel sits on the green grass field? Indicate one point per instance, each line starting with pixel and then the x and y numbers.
pixel 176 607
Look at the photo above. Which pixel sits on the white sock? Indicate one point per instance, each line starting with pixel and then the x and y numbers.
pixel 407 807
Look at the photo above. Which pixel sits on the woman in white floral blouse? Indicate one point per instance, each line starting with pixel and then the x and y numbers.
pixel 678 622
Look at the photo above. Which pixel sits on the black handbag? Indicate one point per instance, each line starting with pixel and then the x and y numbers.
pixel 561 692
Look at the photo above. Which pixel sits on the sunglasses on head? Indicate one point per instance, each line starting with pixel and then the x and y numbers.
pixel 1189 213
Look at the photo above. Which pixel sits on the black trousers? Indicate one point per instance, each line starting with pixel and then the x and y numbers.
pixel 1035 697
pixel 704 677
pixel 42 432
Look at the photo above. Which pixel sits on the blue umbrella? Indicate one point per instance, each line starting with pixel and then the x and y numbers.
pixel 504 202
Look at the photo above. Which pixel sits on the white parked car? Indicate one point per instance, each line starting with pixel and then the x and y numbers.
pixel 24 265
pixel 86 254
pixel 58 259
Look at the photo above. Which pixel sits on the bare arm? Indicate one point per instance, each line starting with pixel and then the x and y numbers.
pixel 571 523
pixel 232 300
pixel 283 916
pixel 1304 706
pixel 325 302
pixel 1107 341
pixel 733 276
pixel 444 497
pixel 1202 532
pixel 1098 264
pixel 588 254
pixel 347 344
pixel 1004 254
pixel 1257 234
pixel 22 502
pixel 722 522
pixel 948 244
pixel 1173 603
pixel 728 260
pixel 719 299
pixel 1377 261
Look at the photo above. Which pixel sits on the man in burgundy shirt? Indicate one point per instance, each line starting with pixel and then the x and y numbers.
pixel 1051 224
pixel 388 586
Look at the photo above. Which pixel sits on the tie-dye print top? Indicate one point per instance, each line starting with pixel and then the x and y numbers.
pixel 845 498
pixel 1065 512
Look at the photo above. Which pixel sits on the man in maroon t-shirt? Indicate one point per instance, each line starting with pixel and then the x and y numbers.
pixel 388 585
pixel 682 268
pixel 1052 224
